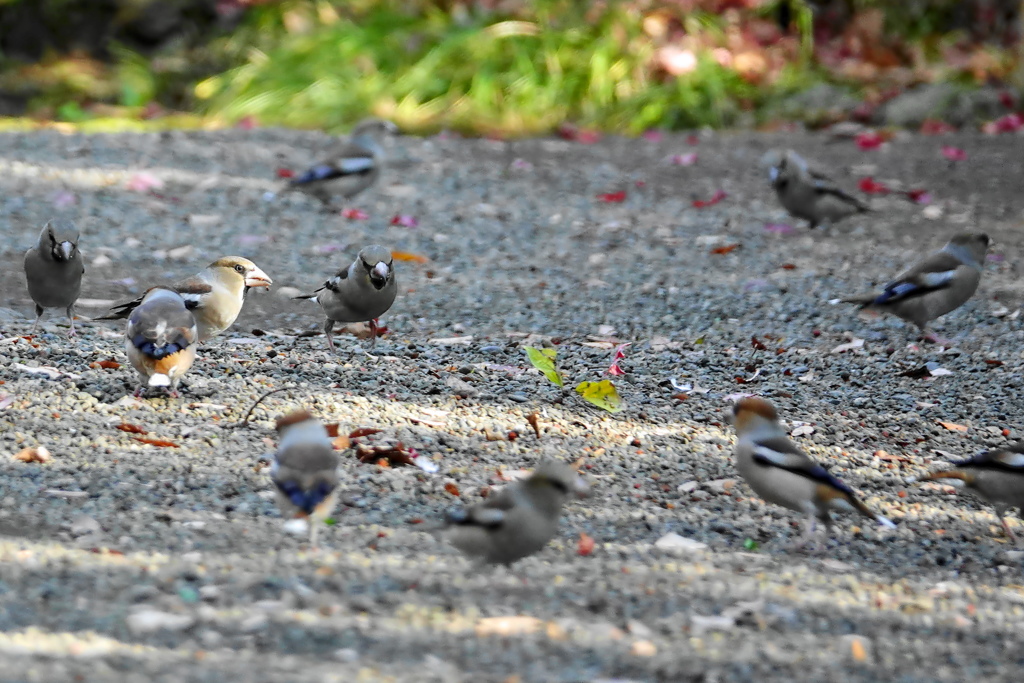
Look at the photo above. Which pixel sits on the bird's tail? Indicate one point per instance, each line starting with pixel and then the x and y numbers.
pixel 863 300
pixel 867 512
pixel 159 380
pixel 305 297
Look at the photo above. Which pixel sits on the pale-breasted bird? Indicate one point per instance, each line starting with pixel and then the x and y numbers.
pixel 54 268
pixel 778 471
pixel 937 284
pixel 807 194
pixel 360 293
pixel 214 295
pixel 520 519
pixel 996 475
pixel 161 339
pixel 305 470
pixel 351 168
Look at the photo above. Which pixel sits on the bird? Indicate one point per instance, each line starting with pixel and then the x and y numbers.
pixel 305 469
pixel 780 473
pixel 54 269
pixel 996 475
pixel 161 339
pixel 360 293
pixel 937 284
pixel 352 167
pixel 517 521
pixel 807 194
pixel 214 295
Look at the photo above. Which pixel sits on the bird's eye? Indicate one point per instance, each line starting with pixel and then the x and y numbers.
pixel 367 266
pixel 559 486
pixel 239 268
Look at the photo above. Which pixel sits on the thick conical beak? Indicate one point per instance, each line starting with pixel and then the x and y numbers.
pixel 381 270
pixel 257 278
pixel 66 249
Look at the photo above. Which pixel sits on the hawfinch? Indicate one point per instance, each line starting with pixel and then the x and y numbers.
pixel 54 268
pixel 810 195
pixel 161 339
pixel 305 470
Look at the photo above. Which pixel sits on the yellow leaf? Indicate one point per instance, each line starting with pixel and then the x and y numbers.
pixel 544 360
pixel 602 394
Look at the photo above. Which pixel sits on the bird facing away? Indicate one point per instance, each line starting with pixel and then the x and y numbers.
pixel 996 475
pixel 360 293
pixel 520 519
pixel 353 166
pixel 54 268
pixel 214 295
pixel 161 339
pixel 778 471
pixel 305 470
pixel 937 284
pixel 807 194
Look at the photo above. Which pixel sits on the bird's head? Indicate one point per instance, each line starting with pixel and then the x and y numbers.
pixel 235 269
pixel 60 238
pixel 376 262
pixel 750 412
pixel 553 482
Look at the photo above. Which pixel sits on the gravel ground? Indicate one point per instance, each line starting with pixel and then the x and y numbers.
pixel 125 561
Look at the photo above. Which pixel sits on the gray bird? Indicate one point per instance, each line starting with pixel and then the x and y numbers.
pixel 517 521
pixel 937 284
pixel 161 339
pixel 305 470
pixel 808 194
pixel 996 475
pixel 54 268
pixel 360 293
pixel 778 471
pixel 352 167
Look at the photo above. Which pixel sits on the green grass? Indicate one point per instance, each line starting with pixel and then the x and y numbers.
pixel 481 75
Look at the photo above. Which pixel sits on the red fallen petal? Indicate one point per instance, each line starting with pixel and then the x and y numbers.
pixel 358 215
pixel 718 196
pixel 653 135
pixel 935 127
pixel 919 196
pixel 405 220
pixel 585 546
pixel 620 351
pixel 1006 99
pixel 692 139
pixel 869 140
pixel 870 186
pixel 683 159
pixel 1010 123
pixel 616 370
pixel 247 123
pixel 612 197
pixel 285 173
pixel 953 153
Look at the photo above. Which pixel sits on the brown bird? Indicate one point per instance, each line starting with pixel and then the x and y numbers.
pixel 161 339
pixel 807 194
pixel 214 295
pixel 778 471
pixel 996 475
pixel 54 268
pixel 305 470
pixel 937 284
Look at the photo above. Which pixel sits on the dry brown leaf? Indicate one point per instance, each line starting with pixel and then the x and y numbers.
pixel 729 248
pixel 953 427
pixel 340 443
pixel 332 429
pixel 758 344
pixel 160 443
pixel 534 420
pixel 408 256
pixel 507 626
pixel 108 364
pixel 363 431
pixel 130 428
pixel 858 650
pixel 34 454
pixel 452 489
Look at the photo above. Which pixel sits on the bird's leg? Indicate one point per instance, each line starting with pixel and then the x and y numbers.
pixel 71 317
pixel 373 332
pixel 39 316
pixel 313 528
pixel 140 391
pixel 934 338
pixel 1001 512
pixel 328 327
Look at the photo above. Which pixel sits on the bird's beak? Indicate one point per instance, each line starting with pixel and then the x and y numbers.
pixel 257 278
pixel 66 249
pixel 581 488
pixel 381 270
pixel 773 173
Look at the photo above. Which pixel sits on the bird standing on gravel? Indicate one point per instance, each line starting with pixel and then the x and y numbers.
pixel 778 471
pixel 352 167
pixel 808 194
pixel 161 339
pixel 305 470
pixel 937 284
pixel 996 475
pixel 520 519
pixel 53 270
pixel 360 293
pixel 214 295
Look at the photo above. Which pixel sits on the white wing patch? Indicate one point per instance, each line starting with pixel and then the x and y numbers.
pixel 355 164
pixel 1012 459
pixel 936 279
pixel 780 459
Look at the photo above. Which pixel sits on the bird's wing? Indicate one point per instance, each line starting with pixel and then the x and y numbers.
pixel 935 272
pixel 782 453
